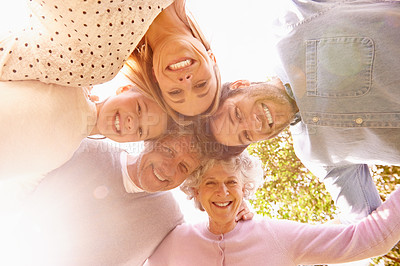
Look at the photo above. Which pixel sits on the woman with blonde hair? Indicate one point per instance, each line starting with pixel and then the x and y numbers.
pixel 175 65
pixel 82 43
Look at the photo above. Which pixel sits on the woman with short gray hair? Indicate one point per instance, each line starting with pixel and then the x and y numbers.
pixel 223 240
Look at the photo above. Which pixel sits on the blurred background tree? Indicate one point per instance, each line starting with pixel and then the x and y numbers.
pixel 292 192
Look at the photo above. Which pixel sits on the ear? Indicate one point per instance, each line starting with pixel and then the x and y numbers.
pixel 276 81
pixel 245 193
pixel 212 56
pixel 195 192
pixel 239 84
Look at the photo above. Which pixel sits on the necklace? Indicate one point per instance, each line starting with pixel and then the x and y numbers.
pixel 98 137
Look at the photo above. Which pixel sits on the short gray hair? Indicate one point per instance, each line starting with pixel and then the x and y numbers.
pixel 249 169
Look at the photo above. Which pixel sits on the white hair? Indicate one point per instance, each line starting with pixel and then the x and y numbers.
pixel 249 169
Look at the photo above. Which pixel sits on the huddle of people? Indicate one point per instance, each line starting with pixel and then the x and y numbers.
pixel 86 202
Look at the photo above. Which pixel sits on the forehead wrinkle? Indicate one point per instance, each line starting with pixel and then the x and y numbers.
pixel 208 177
pixel 191 157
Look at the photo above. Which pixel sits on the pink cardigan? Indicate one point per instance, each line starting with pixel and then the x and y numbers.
pixel 264 241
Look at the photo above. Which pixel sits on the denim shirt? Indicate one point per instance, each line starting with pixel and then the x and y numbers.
pixel 341 59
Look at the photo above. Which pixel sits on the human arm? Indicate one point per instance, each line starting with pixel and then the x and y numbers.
pixel 375 235
pixel 353 191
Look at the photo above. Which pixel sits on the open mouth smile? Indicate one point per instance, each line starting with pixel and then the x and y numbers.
pixel 222 204
pixel 159 177
pixel 180 65
pixel 267 114
pixel 116 123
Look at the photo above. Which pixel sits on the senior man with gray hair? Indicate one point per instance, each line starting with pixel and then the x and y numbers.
pixel 96 209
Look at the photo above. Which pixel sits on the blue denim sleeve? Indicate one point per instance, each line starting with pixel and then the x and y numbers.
pixel 353 191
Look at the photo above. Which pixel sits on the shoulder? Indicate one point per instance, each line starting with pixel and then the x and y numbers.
pixel 98 146
pixel 292 13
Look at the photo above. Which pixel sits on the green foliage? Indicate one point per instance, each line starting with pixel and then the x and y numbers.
pixel 292 192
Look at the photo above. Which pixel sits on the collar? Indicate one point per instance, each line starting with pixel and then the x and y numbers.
pixel 130 187
pixel 289 90
pixel 297 116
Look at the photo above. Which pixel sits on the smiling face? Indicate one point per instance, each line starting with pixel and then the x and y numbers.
pixel 166 163
pixel 185 73
pixel 220 194
pixel 130 116
pixel 260 111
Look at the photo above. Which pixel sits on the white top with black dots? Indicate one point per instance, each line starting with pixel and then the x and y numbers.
pixel 76 42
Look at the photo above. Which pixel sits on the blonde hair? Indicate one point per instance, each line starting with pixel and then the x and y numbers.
pixel 139 69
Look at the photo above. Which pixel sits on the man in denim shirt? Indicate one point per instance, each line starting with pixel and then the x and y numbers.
pixel 341 70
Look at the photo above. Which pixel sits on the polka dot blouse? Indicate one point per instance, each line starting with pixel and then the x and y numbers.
pixel 76 42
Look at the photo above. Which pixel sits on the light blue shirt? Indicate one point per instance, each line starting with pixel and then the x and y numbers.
pixel 341 59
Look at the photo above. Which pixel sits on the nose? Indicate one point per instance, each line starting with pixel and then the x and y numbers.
pixel 131 123
pixel 257 123
pixel 252 123
pixel 185 77
pixel 170 166
pixel 222 190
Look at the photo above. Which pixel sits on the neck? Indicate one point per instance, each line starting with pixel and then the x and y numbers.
pixel 168 22
pixel 221 228
pixel 95 130
pixel 132 164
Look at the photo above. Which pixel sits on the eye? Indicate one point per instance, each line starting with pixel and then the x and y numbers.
pixel 247 135
pixel 232 182
pixel 184 168
pixel 210 183
pixel 167 150
pixel 200 85
pixel 139 109
pixel 175 92
pixel 238 113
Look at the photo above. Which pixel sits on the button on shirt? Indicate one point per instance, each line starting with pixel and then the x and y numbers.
pixel 345 87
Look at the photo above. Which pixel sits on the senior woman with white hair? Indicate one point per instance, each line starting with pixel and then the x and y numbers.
pixel 220 188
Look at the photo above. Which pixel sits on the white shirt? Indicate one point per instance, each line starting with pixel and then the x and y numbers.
pixel 130 187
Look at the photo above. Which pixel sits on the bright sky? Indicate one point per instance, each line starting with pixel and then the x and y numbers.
pixel 240 35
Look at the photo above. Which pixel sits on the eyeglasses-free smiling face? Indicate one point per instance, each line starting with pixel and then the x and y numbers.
pixel 220 194
pixel 260 111
pixel 130 116
pixel 185 73
pixel 166 163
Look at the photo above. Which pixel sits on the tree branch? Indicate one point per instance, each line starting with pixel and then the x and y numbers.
pixel 392 258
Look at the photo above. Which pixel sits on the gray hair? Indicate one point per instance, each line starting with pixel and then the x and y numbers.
pixel 248 167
